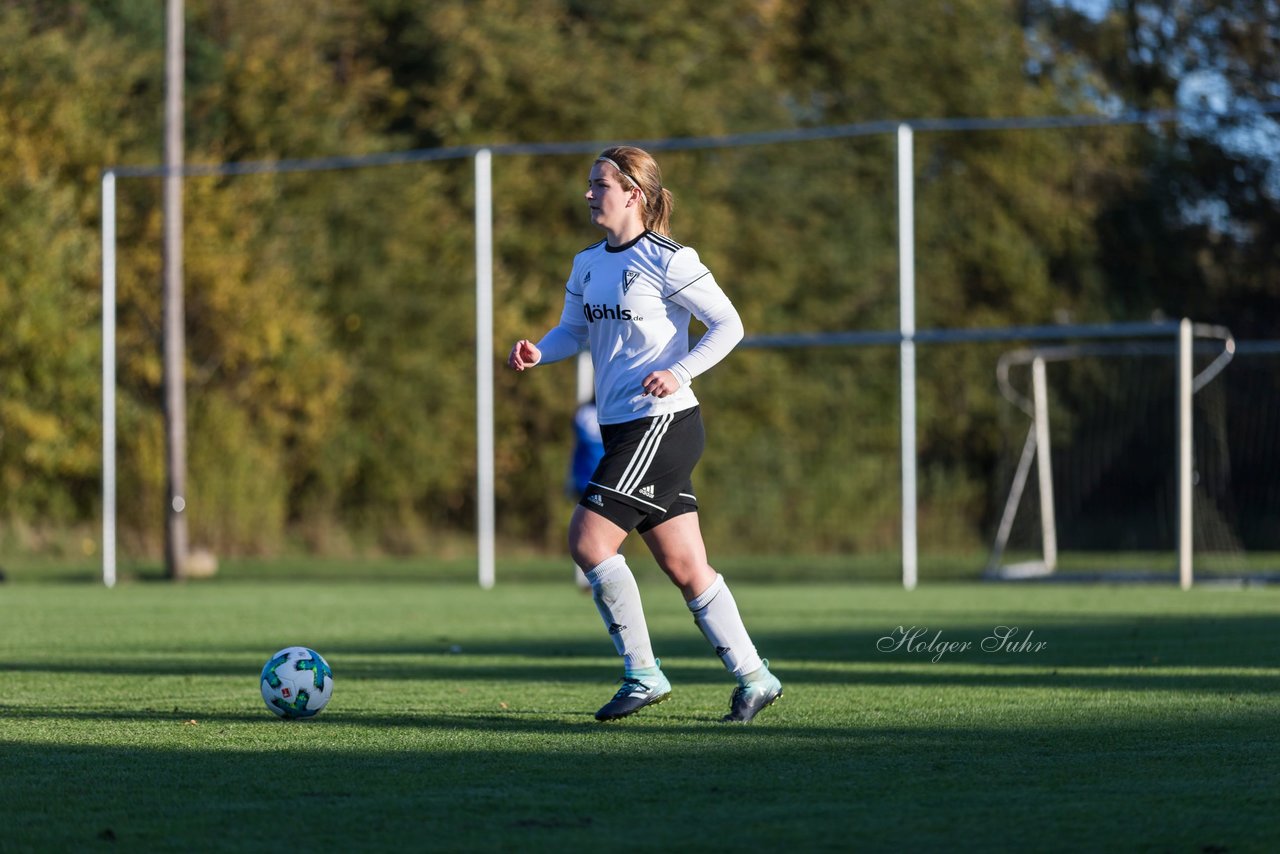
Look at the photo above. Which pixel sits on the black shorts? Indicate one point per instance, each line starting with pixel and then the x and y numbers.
pixel 645 477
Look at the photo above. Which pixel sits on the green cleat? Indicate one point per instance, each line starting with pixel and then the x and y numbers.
pixel 754 692
pixel 643 688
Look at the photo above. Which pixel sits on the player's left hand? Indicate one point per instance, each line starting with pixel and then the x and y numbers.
pixel 661 384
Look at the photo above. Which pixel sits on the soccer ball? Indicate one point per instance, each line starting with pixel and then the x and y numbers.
pixel 296 682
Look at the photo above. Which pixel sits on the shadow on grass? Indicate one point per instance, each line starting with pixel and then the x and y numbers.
pixel 465 783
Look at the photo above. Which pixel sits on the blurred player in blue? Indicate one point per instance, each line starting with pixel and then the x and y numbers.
pixel 588 449
pixel 630 299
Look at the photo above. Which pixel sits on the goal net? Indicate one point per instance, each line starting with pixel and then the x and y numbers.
pixel 1090 474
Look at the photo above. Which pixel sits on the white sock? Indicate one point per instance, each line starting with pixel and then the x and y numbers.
pixel 617 598
pixel 716 614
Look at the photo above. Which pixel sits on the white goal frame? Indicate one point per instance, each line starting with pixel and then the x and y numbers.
pixel 1037 446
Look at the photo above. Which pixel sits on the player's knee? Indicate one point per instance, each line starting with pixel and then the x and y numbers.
pixel 593 538
pixel 588 550
pixel 687 572
pixel 586 558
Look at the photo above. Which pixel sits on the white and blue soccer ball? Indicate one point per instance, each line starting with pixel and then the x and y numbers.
pixel 296 682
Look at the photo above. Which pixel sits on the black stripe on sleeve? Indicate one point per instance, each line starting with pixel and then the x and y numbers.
pixel 682 287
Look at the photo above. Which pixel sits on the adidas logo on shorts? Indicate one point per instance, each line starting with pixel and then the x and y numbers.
pixel 647 491
pixel 595 499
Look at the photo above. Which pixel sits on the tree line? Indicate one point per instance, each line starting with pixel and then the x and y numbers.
pixel 330 315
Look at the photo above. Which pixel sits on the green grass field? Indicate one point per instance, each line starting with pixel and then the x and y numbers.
pixel 130 719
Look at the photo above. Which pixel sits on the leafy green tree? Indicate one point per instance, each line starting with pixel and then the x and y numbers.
pixel 1192 229
pixel 330 315
pixel 65 99
pixel 1003 219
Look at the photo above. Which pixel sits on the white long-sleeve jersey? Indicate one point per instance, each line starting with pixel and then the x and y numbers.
pixel 632 305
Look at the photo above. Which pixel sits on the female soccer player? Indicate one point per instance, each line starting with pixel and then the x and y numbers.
pixel 629 299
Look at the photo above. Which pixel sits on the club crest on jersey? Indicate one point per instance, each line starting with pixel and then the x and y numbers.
pixel 628 279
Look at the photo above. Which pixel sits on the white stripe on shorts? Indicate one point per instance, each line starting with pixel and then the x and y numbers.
pixel 644 454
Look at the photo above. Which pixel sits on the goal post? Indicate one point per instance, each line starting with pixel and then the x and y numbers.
pixel 1191 339
pixel 1044 469
pixel 1185 473
pixel 485 475
pixel 109 378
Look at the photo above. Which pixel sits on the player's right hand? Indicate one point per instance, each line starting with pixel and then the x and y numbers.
pixel 524 355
